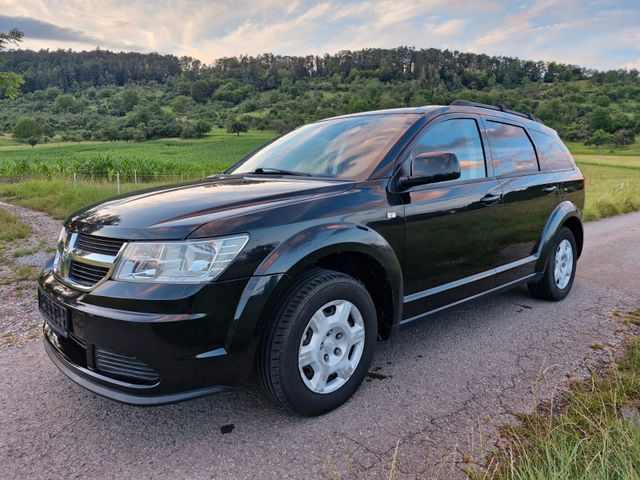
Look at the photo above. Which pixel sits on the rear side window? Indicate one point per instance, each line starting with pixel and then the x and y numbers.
pixel 512 151
pixel 553 154
pixel 459 136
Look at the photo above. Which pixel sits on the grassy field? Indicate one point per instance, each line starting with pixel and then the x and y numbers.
pixel 579 148
pixel 209 155
pixel 613 185
pixel 613 175
pixel 593 433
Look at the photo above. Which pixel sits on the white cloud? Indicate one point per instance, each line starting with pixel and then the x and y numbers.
pixel 588 32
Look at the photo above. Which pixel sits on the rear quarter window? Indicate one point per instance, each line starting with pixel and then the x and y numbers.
pixel 511 150
pixel 552 152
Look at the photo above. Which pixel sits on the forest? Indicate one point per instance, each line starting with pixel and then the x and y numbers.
pixel 108 96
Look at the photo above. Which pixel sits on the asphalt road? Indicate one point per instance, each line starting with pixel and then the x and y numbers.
pixel 440 389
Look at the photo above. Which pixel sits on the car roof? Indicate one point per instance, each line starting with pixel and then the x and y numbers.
pixel 435 110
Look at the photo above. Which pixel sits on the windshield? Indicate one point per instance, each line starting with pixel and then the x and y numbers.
pixel 347 148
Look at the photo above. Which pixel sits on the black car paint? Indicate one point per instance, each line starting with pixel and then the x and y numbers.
pixel 424 241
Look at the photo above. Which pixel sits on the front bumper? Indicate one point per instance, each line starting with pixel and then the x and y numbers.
pixel 176 335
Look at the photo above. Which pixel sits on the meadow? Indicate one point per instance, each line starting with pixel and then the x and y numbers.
pixel 143 160
pixel 43 177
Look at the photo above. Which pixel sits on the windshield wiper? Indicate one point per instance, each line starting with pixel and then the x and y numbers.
pixel 268 170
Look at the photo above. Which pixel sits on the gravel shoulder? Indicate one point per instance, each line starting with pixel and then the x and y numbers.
pixel 20 262
pixel 436 394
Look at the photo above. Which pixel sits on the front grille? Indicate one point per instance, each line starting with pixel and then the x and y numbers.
pixel 85 274
pixel 93 244
pixel 122 367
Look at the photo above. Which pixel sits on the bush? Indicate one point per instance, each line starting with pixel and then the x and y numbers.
pixel 26 129
pixel 196 129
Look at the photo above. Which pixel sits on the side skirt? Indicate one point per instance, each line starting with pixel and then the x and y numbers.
pixel 534 277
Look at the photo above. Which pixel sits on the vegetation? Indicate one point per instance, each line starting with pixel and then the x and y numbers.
pixel 611 189
pixel 106 96
pixel 10 82
pixel 593 433
pixel 27 130
pixel 11 227
pixel 59 197
pixel 149 160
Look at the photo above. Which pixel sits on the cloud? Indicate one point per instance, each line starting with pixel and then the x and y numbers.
pixel 34 28
pixel 592 33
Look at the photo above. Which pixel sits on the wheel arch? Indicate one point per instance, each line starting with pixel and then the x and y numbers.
pixel 348 248
pixel 565 214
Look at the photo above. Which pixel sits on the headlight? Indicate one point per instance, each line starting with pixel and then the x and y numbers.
pixel 62 239
pixel 191 261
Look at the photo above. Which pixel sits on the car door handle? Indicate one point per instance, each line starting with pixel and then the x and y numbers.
pixel 550 189
pixel 490 199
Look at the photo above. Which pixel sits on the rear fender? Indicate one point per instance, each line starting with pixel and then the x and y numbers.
pixel 563 212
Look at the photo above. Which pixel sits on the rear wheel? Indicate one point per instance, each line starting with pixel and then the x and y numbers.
pixel 320 344
pixel 560 269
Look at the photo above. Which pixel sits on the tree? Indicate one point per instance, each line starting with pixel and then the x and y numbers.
pixel 599 137
pixel 27 129
pixel 10 82
pixel 237 127
pixel 195 129
pixel 33 141
pixel 601 119
pixel 65 103
pixel 623 137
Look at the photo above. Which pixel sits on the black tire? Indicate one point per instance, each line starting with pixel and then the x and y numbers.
pixel 277 362
pixel 546 288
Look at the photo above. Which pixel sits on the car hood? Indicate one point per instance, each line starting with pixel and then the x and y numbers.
pixel 173 212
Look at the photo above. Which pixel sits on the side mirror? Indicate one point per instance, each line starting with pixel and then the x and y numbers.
pixel 432 167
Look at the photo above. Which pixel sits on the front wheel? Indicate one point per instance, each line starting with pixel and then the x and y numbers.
pixel 560 269
pixel 320 343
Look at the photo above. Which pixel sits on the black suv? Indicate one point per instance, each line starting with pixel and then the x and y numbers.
pixel 303 254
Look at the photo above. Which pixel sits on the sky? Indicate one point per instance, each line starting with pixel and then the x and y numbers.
pixel 602 34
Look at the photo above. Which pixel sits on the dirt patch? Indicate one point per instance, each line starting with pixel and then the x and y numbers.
pixel 21 261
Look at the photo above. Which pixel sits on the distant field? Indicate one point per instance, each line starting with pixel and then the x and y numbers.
pixel 613 184
pixel 609 160
pixel 210 155
pixel 579 148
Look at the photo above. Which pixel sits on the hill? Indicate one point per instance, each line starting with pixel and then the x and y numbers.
pixel 102 95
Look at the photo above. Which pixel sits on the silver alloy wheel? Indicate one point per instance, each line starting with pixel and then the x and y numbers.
pixel 331 346
pixel 563 264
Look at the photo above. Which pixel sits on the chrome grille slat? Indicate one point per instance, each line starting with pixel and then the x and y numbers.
pixel 86 274
pixel 105 246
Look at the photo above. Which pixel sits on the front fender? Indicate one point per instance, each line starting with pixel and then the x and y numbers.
pixel 563 212
pixel 275 274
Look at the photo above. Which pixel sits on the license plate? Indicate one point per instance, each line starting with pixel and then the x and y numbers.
pixel 56 315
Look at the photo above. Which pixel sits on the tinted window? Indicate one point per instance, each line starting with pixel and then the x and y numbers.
pixel 459 136
pixel 511 149
pixel 553 154
pixel 344 147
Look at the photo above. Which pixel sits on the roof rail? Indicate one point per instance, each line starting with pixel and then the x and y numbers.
pixel 499 108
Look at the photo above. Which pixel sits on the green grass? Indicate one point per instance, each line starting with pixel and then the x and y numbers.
pixel 59 197
pixel 578 148
pixel 631 161
pixel 210 155
pixel 585 435
pixel 11 228
pixel 610 190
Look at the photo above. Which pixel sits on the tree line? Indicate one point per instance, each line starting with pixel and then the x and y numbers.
pixel 103 95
